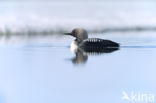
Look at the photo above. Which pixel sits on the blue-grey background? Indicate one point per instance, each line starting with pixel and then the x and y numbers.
pixel 35 58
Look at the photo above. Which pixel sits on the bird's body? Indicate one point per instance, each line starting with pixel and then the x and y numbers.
pixel 90 44
pixel 96 42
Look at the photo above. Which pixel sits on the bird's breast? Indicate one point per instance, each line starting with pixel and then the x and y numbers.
pixel 74 47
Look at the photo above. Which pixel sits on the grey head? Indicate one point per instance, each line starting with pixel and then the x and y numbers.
pixel 79 33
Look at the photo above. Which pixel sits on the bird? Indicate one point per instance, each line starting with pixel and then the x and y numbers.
pixel 91 44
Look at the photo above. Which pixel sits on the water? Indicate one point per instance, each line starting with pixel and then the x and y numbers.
pixel 37 66
pixel 40 69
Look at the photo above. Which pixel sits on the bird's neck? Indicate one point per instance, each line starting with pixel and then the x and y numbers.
pixel 78 41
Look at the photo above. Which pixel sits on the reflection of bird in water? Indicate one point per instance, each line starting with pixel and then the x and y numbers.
pixel 81 55
pixel 82 45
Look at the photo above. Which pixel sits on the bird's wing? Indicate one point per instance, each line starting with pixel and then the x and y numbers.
pixel 99 43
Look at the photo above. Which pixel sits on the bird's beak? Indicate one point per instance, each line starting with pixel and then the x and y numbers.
pixel 67 33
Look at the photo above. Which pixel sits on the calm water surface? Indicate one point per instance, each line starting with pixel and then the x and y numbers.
pixel 40 70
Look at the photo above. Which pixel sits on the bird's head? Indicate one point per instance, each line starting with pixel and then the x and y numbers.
pixel 79 33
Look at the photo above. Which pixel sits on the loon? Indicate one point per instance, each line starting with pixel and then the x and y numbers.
pixel 90 44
